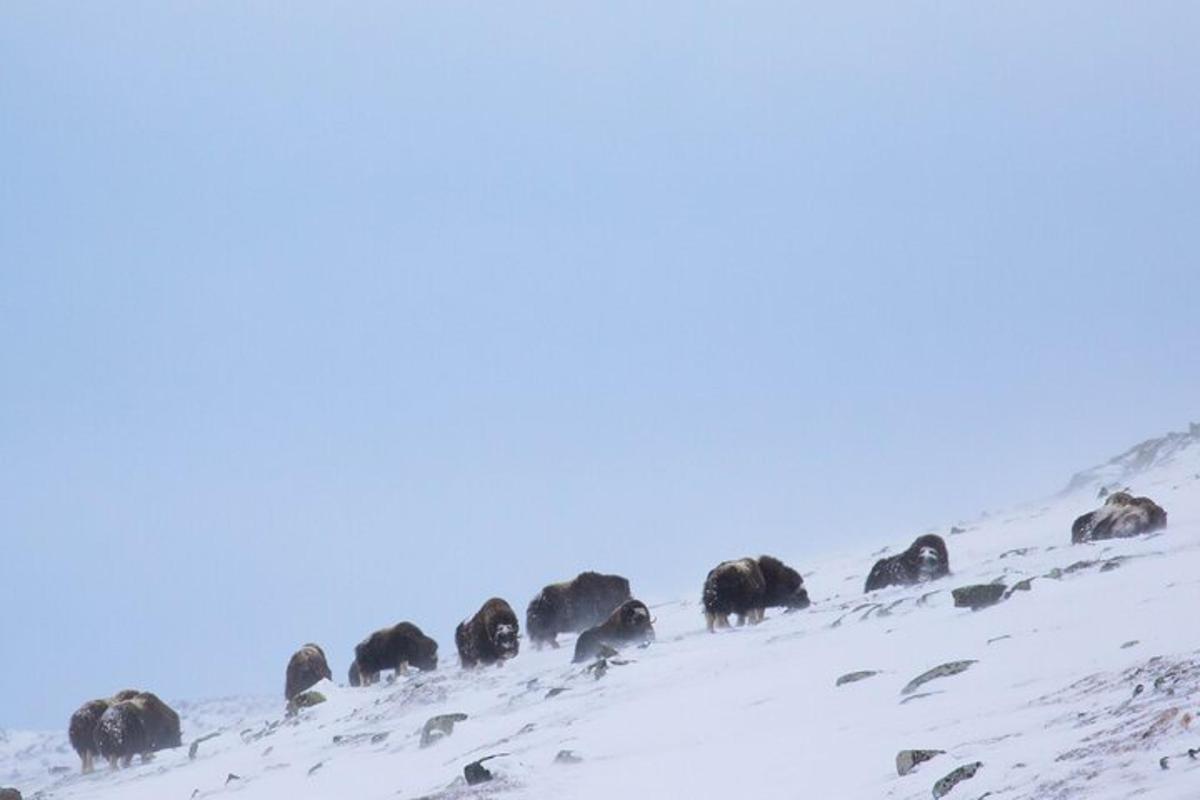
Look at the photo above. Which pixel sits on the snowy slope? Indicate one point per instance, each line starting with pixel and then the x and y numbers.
pixel 1051 705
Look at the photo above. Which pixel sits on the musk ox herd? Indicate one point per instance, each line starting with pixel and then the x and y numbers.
pixel 600 608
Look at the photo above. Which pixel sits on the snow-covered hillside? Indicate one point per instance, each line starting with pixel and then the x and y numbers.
pixel 1085 682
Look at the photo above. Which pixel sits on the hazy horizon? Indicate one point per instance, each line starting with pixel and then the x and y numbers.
pixel 314 321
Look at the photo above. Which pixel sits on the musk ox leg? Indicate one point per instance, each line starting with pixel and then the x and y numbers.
pixel 401 668
pixel 710 620
pixel 114 762
pixel 126 761
pixel 722 620
pixel 741 618
pixel 86 758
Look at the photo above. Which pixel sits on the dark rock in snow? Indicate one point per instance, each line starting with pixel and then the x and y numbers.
pixel 965 772
pixel 1020 586
pixel 304 700
pixel 195 746
pixel 854 677
pixel 940 671
pixel 979 596
pixel 439 727
pixel 1130 643
pixel 907 760
pixel 477 773
pixel 567 757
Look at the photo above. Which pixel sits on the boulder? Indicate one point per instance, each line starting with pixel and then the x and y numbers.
pixel 854 677
pixel 907 760
pixel 980 595
pixel 946 784
pixel 439 727
pixel 940 671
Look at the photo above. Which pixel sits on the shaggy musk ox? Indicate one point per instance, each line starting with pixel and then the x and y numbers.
pixel 573 606
pixel 81 731
pixel 138 726
pixel 630 623
pixel 1121 515
pixel 747 586
pixel 925 560
pixel 397 648
pixel 306 668
pixel 490 636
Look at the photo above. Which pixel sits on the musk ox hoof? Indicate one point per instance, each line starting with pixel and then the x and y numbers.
pixel 940 671
pixel 978 596
pixel 965 772
pixel 439 727
pixel 304 700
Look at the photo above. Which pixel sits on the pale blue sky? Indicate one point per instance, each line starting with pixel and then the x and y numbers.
pixel 316 318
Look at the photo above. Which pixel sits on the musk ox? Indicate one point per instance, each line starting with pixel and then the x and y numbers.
pixel 573 606
pixel 141 726
pixel 355 675
pixel 1122 515
pixel 630 623
pixel 81 730
pixel 926 559
pixel 489 637
pixel 9 794
pixel 747 586
pixel 306 667
pixel 396 648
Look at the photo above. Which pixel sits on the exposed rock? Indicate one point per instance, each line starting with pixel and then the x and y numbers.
pixel 556 691
pixel 1130 643
pixel 907 760
pixel 940 671
pixel 195 747
pixel 439 727
pixel 567 757
pixel 1020 586
pixel 980 595
pixel 965 772
pixel 477 773
pixel 854 677
pixel 231 777
pixel 304 700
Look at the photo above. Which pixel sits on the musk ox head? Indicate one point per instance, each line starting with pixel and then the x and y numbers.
pixel 928 557
pixel 424 655
pixel 784 586
pixel 634 619
pixel 505 638
pixel 543 616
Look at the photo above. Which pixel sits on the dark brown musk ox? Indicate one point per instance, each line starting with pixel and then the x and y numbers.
pixel 355 675
pixel 9 793
pixel 396 648
pixel 142 725
pixel 81 730
pixel 573 606
pixel 489 637
pixel 748 586
pixel 306 668
pixel 629 624
pixel 926 559
pixel 1121 516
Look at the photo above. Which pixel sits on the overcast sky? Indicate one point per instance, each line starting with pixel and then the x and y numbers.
pixel 318 318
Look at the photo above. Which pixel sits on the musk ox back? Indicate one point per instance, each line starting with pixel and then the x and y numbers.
pixel 81 730
pixel 306 667
pixel 489 637
pixel 396 648
pixel 926 559
pixel 573 606
pixel 784 588
pixel 629 624
pixel 1122 515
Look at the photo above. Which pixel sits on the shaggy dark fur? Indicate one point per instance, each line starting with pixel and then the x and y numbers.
pixel 81 731
pixel 925 560
pixel 306 668
pixel 1122 515
pixel 784 586
pixel 9 794
pixel 630 623
pixel 747 586
pixel 159 721
pixel 120 733
pixel 397 648
pixel 489 637
pixel 354 676
pixel 573 606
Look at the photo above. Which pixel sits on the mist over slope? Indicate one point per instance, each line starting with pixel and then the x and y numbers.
pixel 1081 683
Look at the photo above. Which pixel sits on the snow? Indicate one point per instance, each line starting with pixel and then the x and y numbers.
pixel 1051 704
